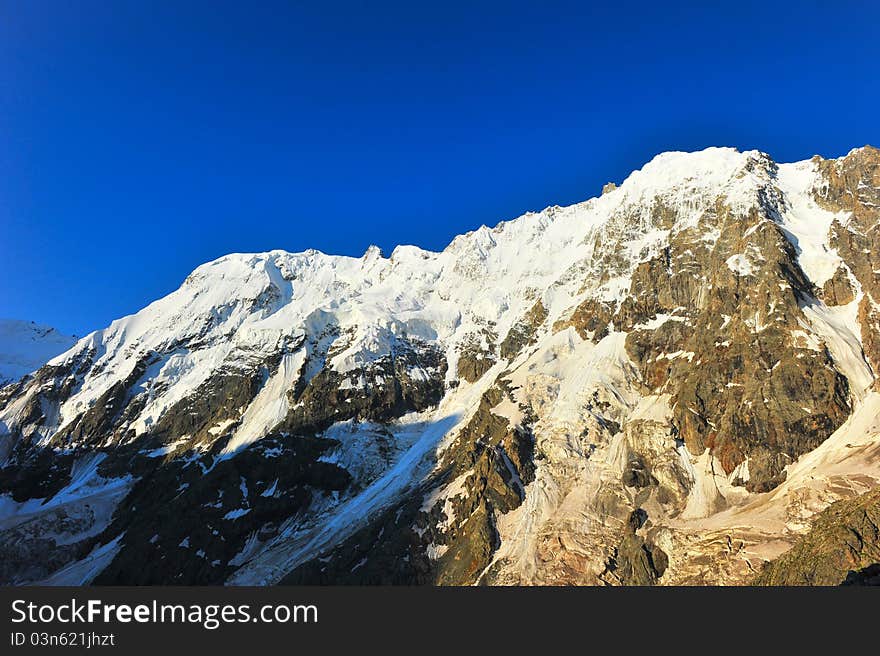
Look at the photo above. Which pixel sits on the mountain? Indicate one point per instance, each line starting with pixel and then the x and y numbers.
pixel 27 346
pixel 843 545
pixel 660 385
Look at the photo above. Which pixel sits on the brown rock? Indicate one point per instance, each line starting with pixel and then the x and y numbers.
pixel 838 289
pixel 841 547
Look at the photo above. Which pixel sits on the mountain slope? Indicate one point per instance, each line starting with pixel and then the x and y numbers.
pixel 842 548
pixel 614 392
pixel 26 346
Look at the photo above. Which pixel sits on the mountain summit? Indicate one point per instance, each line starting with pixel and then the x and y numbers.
pixel 661 385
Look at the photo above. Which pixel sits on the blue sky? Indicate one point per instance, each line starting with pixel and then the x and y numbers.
pixel 138 140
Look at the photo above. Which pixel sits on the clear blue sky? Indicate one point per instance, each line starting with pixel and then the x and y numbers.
pixel 140 139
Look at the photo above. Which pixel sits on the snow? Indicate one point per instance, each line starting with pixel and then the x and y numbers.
pixel 282 555
pixel 712 490
pixel 270 491
pixel 806 224
pixel 82 572
pixel 844 465
pixel 435 551
pixel 840 330
pixel 88 494
pixel 740 265
pixel 688 180
pixel 220 428
pixel 168 448
pixel 270 405
pixel 676 354
pixel 659 320
pixel 509 410
pixel 654 408
pixel 27 346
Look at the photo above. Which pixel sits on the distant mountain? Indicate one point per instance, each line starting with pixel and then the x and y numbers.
pixel 26 346
pixel 660 385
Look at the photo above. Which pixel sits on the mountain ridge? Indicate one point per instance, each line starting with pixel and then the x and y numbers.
pixel 573 396
pixel 25 346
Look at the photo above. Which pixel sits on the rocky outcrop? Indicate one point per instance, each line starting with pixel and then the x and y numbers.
pixel 869 318
pixel 524 332
pixel 850 187
pixel 111 409
pixel 841 548
pixel 838 290
pixel 590 319
pixel 477 354
pixel 409 378
pixel 635 561
pixel 185 522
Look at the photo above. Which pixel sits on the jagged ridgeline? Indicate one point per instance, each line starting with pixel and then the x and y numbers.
pixel 662 385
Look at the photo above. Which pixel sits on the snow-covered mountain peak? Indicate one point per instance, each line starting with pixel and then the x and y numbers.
pixel 242 307
pixel 673 348
pixel 669 176
pixel 25 346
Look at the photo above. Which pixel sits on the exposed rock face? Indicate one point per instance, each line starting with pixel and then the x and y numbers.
pixel 850 188
pixel 716 325
pixel 869 318
pixel 590 319
pixel 838 290
pixel 477 354
pixel 661 385
pixel 408 379
pixel 187 520
pixel 841 548
pixel 524 332
pixel 449 536
pixel 634 561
